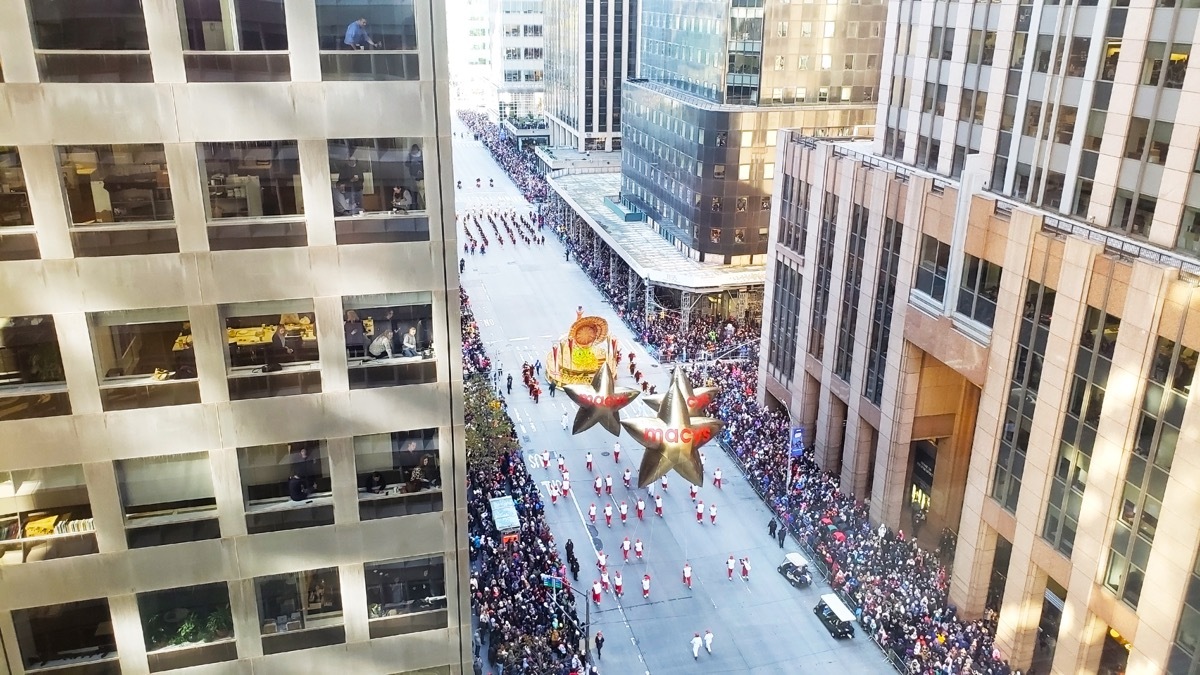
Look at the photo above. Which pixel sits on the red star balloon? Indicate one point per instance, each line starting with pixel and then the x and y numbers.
pixel 599 402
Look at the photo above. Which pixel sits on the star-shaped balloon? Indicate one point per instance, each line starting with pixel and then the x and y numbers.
pixel 697 400
pixel 672 440
pixel 599 402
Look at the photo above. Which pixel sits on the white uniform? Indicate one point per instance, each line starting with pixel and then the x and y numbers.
pixel 696 642
pixel 708 638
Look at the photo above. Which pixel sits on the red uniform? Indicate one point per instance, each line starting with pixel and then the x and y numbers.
pixel 641 506
pixel 617 453
pixel 712 513
pixel 628 475
pixel 658 505
pixel 624 509
pixel 592 513
pixel 646 586
pixel 598 484
pixel 637 548
pixel 589 461
pixel 717 478
pixel 746 569
pixel 700 512
pixel 618 584
pixel 687 574
pixel 608 514
pixel 596 590
pixel 625 549
pixel 608 484
pixel 729 567
pixel 693 490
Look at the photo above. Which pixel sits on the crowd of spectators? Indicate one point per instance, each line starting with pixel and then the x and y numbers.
pixel 520 166
pixel 524 628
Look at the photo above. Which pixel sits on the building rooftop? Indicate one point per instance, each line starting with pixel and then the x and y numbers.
pixel 705 104
pixel 647 254
pixel 563 157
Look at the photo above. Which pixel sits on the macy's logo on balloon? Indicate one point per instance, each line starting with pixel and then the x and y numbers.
pixel 673 435
pixel 602 400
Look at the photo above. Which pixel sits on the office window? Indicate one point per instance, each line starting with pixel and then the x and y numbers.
pixel 979 289
pixel 881 316
pixel 234 40
pixel 848 62
pixel 1132 213
pixel 802 63
pixel 78 635
pixel 856 248
pixel 399 474
pixel 823 95
pixel 1081 421
pixel 1177 66
pixel 1149 468
pixel 107 185
pixel 512 53
pixel 1041 53
pixel 1153 63
pixel 90 40
pixel 1160 142
pixel 249 182
pixel 824 276
pixel 779 62
pixel 45 514
pixel 1112 55
pixel 743 172
pixel 826 61
pixel 806 29
pixel 785 311
pixel 1189 233
pixel 1022 399
pixel 272 349
pixel 375 40
pixel 32 381
pixel 714 235
pixel 389 339
pixel 533 31
pixel 167 499
pixel 14 198
pixel 190 626
pixel 381 175
pixel 830 29
pixel 1186 653
pixel 144 358
pixel 932 267
pixel 286 486
pixel 1077 58
pixel 533 53
pixel 719 171
pixel 300 610
pixel 406 596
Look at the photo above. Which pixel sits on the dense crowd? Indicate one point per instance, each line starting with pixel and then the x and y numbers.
pixel 526 628
pixel 520 166
pixel 898 589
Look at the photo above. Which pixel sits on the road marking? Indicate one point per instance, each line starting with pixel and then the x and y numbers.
pixel 522 428
pixel 532 427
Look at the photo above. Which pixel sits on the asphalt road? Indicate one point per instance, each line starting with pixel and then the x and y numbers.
pixel 525 298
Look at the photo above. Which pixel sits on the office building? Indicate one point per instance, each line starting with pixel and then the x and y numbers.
pixel 517 60
pixel 591 47
pixel 991 314
pixel 471 50
pixel 211 216
pixel 717 81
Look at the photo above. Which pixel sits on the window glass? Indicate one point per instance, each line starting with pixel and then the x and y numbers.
pixel 300 610
pixel 144 358
pixel 252 179
pixel 377 175
pixel 116 183
pixel 73 634
pixel 88 24
pixel 45 514
pixel 273 348
pixel 367 40
pixel 286 486
pixel 14 199
pixel 1177 66
pixel 224 40
pixel 389 339
pixel 189 626
pixel 398 473
pixel 32 382
pixel 167 499
pixel 932 267
pixel 406 596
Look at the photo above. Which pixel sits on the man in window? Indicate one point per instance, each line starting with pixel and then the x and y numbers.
pixel 408 346
pixel 382 345
pixel 357 37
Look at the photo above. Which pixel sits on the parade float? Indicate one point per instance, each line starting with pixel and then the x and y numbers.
pixel 578 355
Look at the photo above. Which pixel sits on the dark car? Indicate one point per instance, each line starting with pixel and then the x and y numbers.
pixel 794 568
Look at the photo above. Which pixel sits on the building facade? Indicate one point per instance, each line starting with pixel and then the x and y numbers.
pixel 717 80
pixel 590 50
pixel 998 326
pixel 212 219
pixel 518 57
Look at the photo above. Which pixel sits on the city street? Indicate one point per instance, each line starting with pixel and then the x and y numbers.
pixel 524 298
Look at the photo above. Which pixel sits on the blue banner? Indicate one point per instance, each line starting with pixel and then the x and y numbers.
pixel 797 441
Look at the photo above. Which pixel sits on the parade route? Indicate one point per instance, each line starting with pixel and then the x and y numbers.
pixel 524 298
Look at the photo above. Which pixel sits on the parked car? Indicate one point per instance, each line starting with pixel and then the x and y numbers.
pixel 836 616
pixel 794 568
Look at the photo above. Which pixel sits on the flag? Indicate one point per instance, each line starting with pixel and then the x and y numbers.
pixel 797 441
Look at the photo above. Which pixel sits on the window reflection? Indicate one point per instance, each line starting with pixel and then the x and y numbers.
pixel 14 200
pixel 168 499
pixel 252 179
pixel 300 610
pixel 225 40
pixel 286 486
pixel 185 627
pixel 366 40
pixel 90 40
pixel 389 339
pixel 45 514
pixel 272 349
pixel 116 183
pixel 75 634
pixel 398 473
pixel 377 175
pixel 145 358
pixel 406 596
pixel 32 382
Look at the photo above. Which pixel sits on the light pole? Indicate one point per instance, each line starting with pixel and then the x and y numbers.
pixel 559 583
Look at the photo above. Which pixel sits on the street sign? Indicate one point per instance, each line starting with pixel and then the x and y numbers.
pixel 551 581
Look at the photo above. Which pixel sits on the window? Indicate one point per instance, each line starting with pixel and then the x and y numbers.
pixel 716 208
pixel 979 289
pixel 830 29
pixel 110 184
pixel 769 171
pixel 802 63
pixel 1112 55
pixel 399 474
pixel 1177 67
pixel 512 53
pixel 167 499
pixel 714 235
pixel 1152 65
pixel 1132 214
pixel 848 63
pixel 14 209
pixel 1189 231
pixel 932 268
pixel 376 41
pixel 781 29
pixel 32 381
pixel 785 310
pixel 1160 142
pixel 851 284
pixel 234 40
pixel 533 31
pixel 740 204
pixel 512 76
pixel 881 316
pixel 248 181
pixel 779 62
pixel 719 171
pixel 1094 133
pixel 389 339
pixel 511 30
pixel 188 626
pixel 272 349
pixel 1065 129
pixel 824 272
pixel 823 95
pixel 300 610
pixel 826 61
pixel 1077 58
pixel 533 52
pixel 743 172
pixel 377 175
pixel 286 486
pixel 144 358
pixel 74 634
pixel 739 235
pixel 45 514
pixel 1033 115
pixel 806 29
pixel 406 596
pixel 90 41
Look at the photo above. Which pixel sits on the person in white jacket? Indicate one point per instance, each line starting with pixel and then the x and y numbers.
pixel 696 642
pixel 708 638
